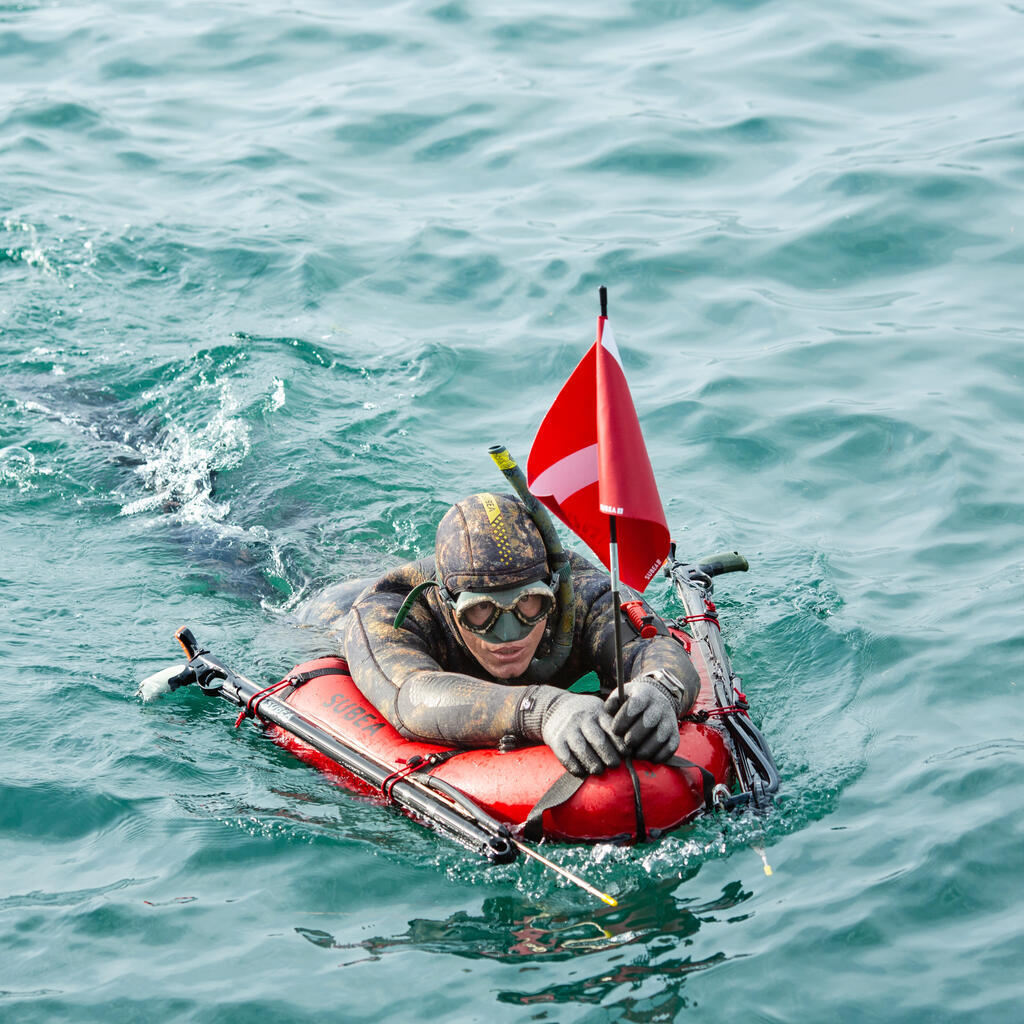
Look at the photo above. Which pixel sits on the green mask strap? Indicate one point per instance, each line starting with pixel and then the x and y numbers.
pixel 411 600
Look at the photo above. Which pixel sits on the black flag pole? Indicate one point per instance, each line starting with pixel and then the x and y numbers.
pixel 620 682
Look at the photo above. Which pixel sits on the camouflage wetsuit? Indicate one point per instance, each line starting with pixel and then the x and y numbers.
pixel 423 679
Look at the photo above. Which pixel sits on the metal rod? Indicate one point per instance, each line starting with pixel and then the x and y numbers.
pixel 752 759
pixel 613 566
pixel 565 873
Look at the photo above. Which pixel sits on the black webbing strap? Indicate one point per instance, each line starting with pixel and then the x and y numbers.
pixel 294 682
pixel 565 786
pixel 638 803
pixel 707 780
pixel 562 789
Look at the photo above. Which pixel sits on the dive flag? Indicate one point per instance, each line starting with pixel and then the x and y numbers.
pixel 589 461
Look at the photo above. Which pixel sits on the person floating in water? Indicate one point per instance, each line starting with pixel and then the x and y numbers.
pixel 458 649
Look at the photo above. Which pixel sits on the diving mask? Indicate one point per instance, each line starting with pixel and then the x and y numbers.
pixel 503 616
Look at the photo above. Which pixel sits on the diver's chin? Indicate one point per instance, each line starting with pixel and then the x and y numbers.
pixel 507 661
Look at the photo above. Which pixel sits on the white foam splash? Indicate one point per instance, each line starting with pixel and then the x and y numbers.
pixel 31 254
pixel 18 466
pixel 277 398
pixel 179 468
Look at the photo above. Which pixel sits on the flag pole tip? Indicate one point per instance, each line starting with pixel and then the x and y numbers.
pixel 603 295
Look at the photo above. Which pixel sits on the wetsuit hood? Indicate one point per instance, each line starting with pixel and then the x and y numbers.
pixel 488 542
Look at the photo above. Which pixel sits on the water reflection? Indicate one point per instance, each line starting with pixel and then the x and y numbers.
pixel 664 1005
pixel 513 931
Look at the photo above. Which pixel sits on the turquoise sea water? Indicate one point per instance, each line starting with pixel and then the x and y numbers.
pixel 273 276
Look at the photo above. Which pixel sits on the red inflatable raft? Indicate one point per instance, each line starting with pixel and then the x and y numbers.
pixel 486 799
pixel 508 785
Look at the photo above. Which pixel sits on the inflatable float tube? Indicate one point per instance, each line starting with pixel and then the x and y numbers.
pixel 489 800
pixel 508 785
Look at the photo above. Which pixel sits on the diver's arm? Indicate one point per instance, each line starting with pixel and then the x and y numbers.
pixel 396 671
pixel 399 674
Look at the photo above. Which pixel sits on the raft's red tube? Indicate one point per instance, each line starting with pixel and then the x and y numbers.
pixel 507 785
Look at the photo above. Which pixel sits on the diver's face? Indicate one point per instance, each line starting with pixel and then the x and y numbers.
pixel 503 660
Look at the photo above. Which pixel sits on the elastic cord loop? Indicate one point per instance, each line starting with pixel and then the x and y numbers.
pixel 701 618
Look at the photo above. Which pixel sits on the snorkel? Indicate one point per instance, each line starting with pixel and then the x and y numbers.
pixel 544 668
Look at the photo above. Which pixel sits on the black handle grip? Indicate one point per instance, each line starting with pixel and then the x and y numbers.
pixel 187 639
pixel 724 561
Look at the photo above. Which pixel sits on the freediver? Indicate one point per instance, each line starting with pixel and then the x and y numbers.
pixel 464 648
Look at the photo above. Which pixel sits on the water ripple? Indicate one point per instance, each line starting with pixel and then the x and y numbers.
pixel 272 283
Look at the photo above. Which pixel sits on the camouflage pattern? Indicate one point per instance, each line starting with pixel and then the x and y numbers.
pixel 423 679
pixel 328 609
pixel 489 542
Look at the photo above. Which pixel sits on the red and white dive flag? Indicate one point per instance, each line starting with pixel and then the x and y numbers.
pixel 589 461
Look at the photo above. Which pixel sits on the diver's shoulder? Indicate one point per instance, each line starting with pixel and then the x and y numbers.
pixel 588 578
pixel 581 565
pixel 400 580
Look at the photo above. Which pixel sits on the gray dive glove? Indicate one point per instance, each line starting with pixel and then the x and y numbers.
pixel 648 720
pixel 575 726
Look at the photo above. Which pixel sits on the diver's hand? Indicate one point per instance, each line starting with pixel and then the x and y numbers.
pixel 646 721
pixel 579 730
